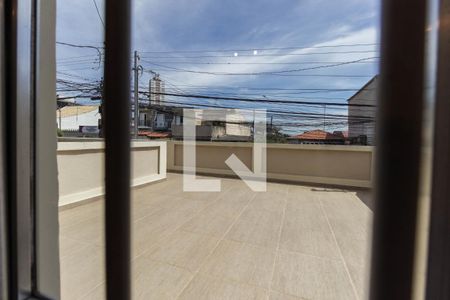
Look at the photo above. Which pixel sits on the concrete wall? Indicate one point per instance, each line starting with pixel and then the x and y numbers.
pixel 321 164
pixel 81 168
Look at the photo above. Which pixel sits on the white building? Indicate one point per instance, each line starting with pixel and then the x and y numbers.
pixel 361 120
pixel 157 88
pixel 234 128
pixel 72 117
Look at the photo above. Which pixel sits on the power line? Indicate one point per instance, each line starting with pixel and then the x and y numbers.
pixel 79 69
pixel 70 58
pixel 81 62
pixel 263 100
pixel 264 49
pixel 303 115
pixel 260 63
pixel 263 94
pixel 79 46
pixel 271 74
pixel 98 13
pixel 75 76
pixel 84 46
pixel 267 55
pixel 272 88
pixel 267 72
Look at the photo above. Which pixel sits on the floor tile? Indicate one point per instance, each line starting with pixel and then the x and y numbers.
pixel 307 231
pixel 360 278
pixel 280 296
pixel 258 227
pixel 81 271
pixel 91 231
pixel 205 288
pixel 241 262
pixel 177 248
pixel 184 249
pixel 155 280
pixel 350 221
pixel 227 208
pixel 311 277
pixel 68 247
pixel 149 232
pixel 299 197
pixel 98 293
pixel 209 224
pixel 270 201
pixel 78 215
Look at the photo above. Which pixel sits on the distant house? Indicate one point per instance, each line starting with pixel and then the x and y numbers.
pixel 76 117
pixel 236 129
pixel 157 118
pixel 340 133
pixel 317 137
pixel 361 120
pixel 168 120
pixel 155 135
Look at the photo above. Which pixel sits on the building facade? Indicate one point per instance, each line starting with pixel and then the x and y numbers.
pixel 74 117
pixel 157 90
pixel 361 120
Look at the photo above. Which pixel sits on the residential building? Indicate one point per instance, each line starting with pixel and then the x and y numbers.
pixel 234 129
pixel 318 137
pixel 158 118
pixel 157 89
pixel 361 120
pixel 78 116
pixel 155 135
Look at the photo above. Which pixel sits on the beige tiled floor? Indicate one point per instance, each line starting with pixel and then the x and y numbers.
pixel 291 242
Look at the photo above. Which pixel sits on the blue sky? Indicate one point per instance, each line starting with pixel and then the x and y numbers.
pixel 169 25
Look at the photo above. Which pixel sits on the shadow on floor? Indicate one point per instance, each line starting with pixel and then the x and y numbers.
pixel 365 195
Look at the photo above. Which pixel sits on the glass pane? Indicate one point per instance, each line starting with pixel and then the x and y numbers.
pixel 280 98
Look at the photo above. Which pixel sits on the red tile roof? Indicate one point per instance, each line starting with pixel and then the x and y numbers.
pixel 155 135
pixel 317 135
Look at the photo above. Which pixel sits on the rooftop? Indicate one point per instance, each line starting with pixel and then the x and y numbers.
pixel 69 111
pixel 317 135
pixel 155 134
pixel 291 242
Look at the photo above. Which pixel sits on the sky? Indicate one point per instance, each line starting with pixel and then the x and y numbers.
pixel 230 43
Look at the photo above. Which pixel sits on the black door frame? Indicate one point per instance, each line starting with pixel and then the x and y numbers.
pixel 28 137
pixel 19 107
pixel 438 275
pixel 398 151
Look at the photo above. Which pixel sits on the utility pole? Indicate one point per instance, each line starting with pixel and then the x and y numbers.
pixel 101 109
pixel 59 111
pixel 136 94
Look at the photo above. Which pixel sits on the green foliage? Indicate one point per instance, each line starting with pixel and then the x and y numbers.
pixel 274 135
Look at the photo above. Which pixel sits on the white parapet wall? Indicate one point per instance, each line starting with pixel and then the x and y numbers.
pixel 81 168
pixel 344 165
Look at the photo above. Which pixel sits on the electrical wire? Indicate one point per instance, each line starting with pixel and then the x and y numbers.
pixel 264 49
pixel 267 72
pixel 263 100
pixel 98 13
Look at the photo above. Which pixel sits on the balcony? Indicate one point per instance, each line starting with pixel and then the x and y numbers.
pixel 292 242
